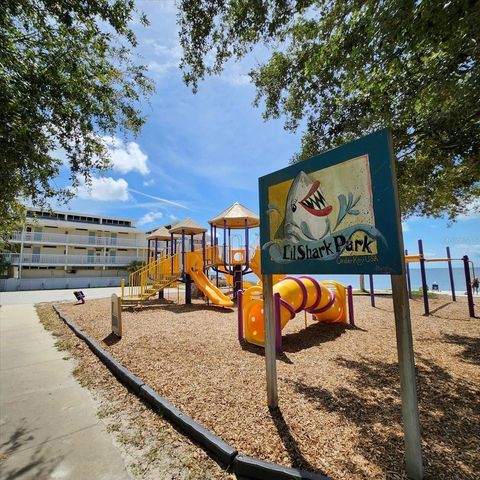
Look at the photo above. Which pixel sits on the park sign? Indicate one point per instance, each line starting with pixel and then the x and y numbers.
pixel 335 213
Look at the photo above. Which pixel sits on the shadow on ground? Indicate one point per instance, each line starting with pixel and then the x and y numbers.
pixel 471 347
pixel 33 465
pixel 449 417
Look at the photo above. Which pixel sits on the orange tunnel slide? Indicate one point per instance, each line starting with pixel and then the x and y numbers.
pixel 327 301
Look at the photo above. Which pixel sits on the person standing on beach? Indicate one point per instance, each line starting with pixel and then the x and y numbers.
pixel 475 285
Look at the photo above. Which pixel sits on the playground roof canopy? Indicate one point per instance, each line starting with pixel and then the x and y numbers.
pixel 187 226
pixel 160 233
pixel 235 216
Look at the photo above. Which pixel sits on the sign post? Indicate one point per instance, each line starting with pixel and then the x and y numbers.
pixel 117 326
pixel 270 350
pixel 338 213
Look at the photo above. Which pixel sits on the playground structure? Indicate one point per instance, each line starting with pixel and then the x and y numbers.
pixel 422 260
pixel 170 260
pixel 328 302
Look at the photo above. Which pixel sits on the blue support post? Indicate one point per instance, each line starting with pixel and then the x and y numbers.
pixel 424 279
pixel 183 252
pixel 247 246
pixel 204 250
pixel 372 290
pixel 450 273
pixel 468 284
pixel 225 244
pixel 171 253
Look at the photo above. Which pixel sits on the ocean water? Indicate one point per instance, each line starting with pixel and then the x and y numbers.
pixel 381 282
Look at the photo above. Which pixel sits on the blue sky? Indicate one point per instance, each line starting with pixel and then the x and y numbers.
pixel 197 154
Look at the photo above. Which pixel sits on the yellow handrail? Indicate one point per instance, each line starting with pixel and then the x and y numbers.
pixel 154 273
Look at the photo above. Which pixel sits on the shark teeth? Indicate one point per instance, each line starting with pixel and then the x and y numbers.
pixel 316 201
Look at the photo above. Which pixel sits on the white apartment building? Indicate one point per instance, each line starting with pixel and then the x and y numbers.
pixel 72 250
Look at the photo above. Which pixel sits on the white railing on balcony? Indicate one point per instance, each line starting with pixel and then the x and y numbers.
pixel 67 239
pixel 70 260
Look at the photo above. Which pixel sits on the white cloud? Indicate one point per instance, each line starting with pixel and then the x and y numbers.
pixel 149 218
pixel 126 157
pixel 472 212
pixel 173 217
pixel 149 183
pixel 104 189
pixel 165 58
pixel 405 227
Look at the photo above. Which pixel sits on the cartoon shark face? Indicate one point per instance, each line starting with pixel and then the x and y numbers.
pixel 307 210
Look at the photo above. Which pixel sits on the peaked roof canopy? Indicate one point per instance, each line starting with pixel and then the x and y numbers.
pixel 160 233
pixel 235 216
pixel 188 226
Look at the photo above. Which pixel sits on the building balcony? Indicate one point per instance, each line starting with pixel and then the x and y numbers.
pixel 48 260
pixel 85 240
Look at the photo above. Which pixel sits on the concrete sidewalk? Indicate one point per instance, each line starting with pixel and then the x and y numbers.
pixel 36 296
pixel 48 422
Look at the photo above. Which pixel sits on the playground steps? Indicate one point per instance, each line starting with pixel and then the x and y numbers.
pixel 150 290
pixel 163 282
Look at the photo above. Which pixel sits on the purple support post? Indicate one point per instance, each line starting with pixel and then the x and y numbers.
pixel 192 246
pixel 211 234
pixel 183 251
pixel 409 282
pixel 156 248
pixel 351 314
pixel 230 247
pixel 450 273
pixel 225 244
pixel 372 290
pixel 171 252
pixel 278 324
pixel 204 251
pixel 247 259
pixel 240 316
pixel 424 278
pixel 468 281
pixel 148 251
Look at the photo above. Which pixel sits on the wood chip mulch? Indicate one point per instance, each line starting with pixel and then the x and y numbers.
pixel 338 386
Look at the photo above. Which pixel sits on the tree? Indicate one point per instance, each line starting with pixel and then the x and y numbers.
pixel 135 265
pixel 342 69
pixel 66 78
pixel 5 265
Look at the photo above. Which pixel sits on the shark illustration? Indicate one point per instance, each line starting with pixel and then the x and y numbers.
pixel 306 211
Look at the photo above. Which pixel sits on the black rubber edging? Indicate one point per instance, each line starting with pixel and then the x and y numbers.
pixel 244 467
pixel 254 469
pixel 223 453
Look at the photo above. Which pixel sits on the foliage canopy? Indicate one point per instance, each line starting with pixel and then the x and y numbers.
pixel 67 77
pixel 341 69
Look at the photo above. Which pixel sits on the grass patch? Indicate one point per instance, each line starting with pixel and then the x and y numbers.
pixel 136 440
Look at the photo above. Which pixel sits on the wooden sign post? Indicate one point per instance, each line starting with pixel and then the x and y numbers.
pixel 117 326
pixel 338 213
pixel 270 351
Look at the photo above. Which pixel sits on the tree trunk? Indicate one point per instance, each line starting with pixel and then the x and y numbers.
pixel 362 283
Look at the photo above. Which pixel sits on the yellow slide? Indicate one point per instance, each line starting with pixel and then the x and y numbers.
pixel 194 267
pixel 255 265
pixel 325 300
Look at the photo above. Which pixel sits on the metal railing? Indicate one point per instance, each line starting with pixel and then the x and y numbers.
pixel 72 239
pixel 157 273
pixel 42 259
